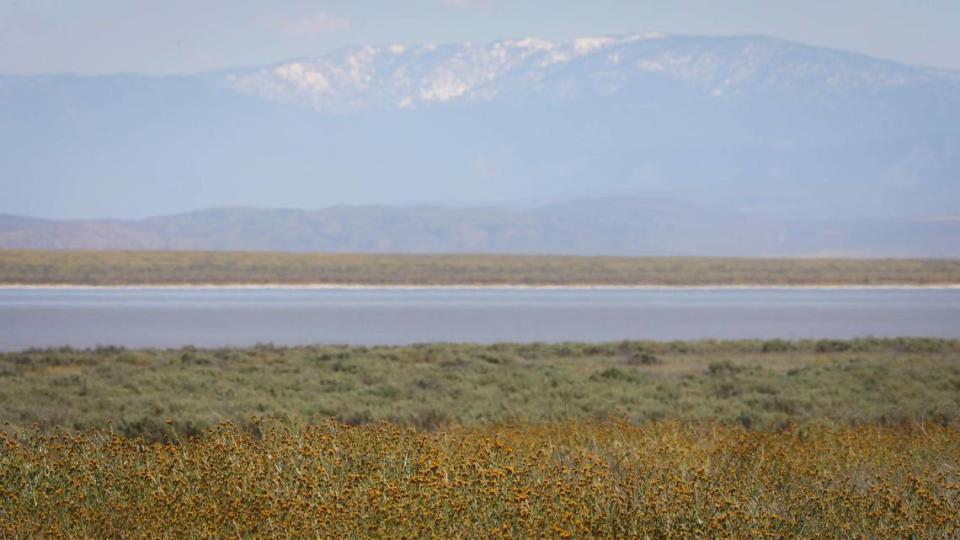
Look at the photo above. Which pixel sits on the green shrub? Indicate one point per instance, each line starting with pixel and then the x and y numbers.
pixel 775 346
pixel 723 368
pixel 832 345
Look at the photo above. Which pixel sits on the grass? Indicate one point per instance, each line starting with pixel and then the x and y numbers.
pixel 163 267
pixel 757 384
pixel 570 479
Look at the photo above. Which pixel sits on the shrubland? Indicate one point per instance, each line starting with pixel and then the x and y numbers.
pixel 35 267
pixel 827 438
pixel 755 384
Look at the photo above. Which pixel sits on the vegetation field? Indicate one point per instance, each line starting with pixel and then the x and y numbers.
pixel 749 383
pixel 165 267
pixel 741 439
pixel 570 479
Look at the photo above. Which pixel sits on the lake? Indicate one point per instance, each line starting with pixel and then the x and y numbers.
pixel 210 317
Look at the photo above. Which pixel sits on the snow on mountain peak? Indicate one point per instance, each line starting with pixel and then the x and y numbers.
pixel 590 44
pixel 531 43
pixel 400 76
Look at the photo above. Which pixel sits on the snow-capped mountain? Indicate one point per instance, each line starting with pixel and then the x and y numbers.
pixel 724 69
pixel 746 124
pixel 397 76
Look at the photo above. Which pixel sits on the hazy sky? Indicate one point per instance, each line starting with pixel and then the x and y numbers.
pixel 178 36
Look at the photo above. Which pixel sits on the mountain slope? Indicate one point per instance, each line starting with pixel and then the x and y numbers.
pixel 619 226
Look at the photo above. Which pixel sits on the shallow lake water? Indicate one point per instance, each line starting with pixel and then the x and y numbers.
pixel 167 317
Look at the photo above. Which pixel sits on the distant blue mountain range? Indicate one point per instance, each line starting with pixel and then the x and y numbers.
pixel 602 226
pixel 750 126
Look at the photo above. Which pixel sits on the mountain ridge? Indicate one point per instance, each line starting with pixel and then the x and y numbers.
pixel 600 226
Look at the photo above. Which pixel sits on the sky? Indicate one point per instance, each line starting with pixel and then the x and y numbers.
pixel 186 36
